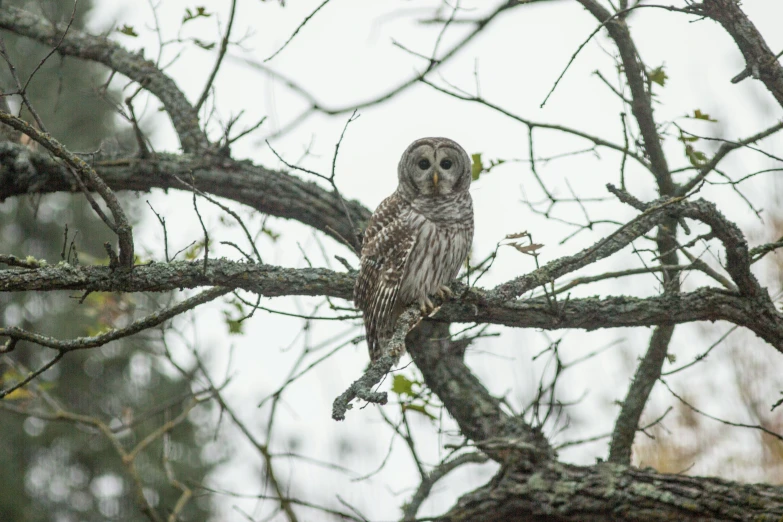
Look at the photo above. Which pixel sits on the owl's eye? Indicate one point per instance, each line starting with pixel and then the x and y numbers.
pixel 424 164
pixel 445 164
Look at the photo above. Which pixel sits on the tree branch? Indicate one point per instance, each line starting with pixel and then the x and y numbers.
pixel 81 343
pixel 650 367
pixel 647 374
pixel 79 168
pixel 475 305
pixel 723 150
pixel 362 387
pixel 441 470
pixel 654 214
pixel 761 62
pixel 610 493
pixel 183 115
pixel 637 79
pixel 315 106
pixel 479 414
pixel 221 54
pixel 268 191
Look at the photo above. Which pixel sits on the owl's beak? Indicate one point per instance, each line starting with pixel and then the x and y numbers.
pixel 435 178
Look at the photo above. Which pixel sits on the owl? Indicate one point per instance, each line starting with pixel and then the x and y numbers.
pixel 417 238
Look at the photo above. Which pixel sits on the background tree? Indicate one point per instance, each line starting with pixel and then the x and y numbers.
pixel 53 471
pixel 653 217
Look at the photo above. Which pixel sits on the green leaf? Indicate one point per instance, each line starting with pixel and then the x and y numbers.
pixel 200 12
pixel 696 157
pixel 419 408
pixel 402 385
pixel 234 325
pixel 699 157
pixel 658 75
pixel 477 167
pixel 127 30
pixel 274 236
pixel 698 115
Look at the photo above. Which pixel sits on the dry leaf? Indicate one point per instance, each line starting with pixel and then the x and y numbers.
pixel 527 249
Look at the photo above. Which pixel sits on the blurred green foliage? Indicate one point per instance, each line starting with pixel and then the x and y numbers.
pixel 59 470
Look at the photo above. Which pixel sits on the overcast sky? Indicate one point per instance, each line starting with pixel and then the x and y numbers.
pixel 346 54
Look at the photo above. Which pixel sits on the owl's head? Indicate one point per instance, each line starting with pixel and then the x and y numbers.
pixel 432 167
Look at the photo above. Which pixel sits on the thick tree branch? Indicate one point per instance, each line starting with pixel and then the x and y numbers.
pixel 267 280
pixel 647 374
pixel 268 191
pixel 761 61
pixel 650 367
pixel 286 196
pixel 183 115
pixel 706 304
pixel 654 214
pixel 479 415
pixel 557 492
pixel 533 486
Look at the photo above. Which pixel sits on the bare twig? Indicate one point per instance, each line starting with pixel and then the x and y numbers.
pixel 296 31
pixel 78 168
pixel 410 509
pixel 219 61
pixel 81 343
pixel 722 421
pixel 534 124
pixel 32 375
pixel 723 150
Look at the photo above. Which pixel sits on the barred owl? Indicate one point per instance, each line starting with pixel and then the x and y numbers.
pixel 417 238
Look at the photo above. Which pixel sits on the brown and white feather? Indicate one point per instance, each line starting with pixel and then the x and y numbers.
pixel 386 248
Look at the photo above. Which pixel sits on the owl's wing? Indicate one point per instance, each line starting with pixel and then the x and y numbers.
pixel 386 248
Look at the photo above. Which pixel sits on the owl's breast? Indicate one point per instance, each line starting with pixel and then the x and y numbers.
pixel 436 258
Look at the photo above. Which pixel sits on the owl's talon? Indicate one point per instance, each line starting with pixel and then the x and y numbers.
pixel 444 292
pixel 426 306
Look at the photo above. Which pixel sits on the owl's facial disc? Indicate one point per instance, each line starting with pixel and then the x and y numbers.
pixel 433 167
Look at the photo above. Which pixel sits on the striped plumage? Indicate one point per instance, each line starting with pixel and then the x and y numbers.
pixel 417 238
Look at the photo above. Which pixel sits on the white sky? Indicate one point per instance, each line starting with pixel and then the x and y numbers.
pixel 344 55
